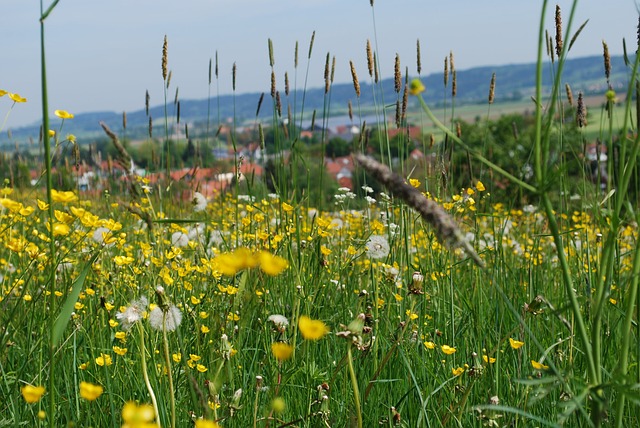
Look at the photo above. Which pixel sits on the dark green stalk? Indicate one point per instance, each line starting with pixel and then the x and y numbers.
pixel 49 182
pixel 354 385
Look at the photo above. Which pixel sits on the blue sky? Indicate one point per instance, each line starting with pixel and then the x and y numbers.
pixel 103 55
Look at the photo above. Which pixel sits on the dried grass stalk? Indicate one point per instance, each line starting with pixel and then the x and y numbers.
pixel 354 75
pixel 445 227
pixel 559 41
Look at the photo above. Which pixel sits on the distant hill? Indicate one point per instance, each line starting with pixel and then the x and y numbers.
pixel 513 82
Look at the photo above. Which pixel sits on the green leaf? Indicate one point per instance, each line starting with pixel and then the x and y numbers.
pixel 69 304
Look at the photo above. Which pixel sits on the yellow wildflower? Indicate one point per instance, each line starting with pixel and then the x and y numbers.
pixel 312 329
pixel 89 391
pixel 32 394
pixel 281 351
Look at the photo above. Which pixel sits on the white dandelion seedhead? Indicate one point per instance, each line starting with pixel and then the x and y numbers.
pixel 377 247
pixel 179 239
pixel 279 321
pixel 171 319
pixel 133 313
pixel 199 202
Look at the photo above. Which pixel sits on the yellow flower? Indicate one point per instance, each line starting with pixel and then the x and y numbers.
pixel 480 186
pixel 538 366
pixel 429 345
pixel 201 368
pixel 448 349
pixel 135 416
pixel 515 344
pixel 104 360
pixel 203 423
pixel 89 391
pixel 457 372
pixel 60 229
pixel 177 357
pixel 416 87
pixel 32 394
pixel 3 92
pixel 414 182
pixel 286 207
pixel 17 98
pixel 63 114
pixel 68 196
pixel 489 360
pixel 281 351
pixel 312 329
pixel 270 264
pixel 412 315
pixel 204 329
pixel 120 351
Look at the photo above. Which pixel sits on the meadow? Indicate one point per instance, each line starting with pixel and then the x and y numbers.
pixel 404 302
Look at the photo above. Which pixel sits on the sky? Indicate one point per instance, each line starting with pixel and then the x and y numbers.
pixel 103 55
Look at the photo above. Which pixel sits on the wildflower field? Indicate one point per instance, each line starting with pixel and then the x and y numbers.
pixel 402 302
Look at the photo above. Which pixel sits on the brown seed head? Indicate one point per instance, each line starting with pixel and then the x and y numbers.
pixel 454 84
pixel 165 48
pixel 210 69
pixel 295 56
pixel 124 120
pixel 581 112
pixel 178 113
pixel 259 104
pixel 558 31
pixel 234 70
pixel 147 98
pixel 350 106
pixel 326 74
pixel 446 71
pixel 492 88
pixel 354 76
pixel 313 120
pixel 398 113
pixel 278 104
pixel 150 127
pixel 569 94
pixel 169 78
pixel 286 83
pixel 418 57
pixel 405 101
pixel 313 37
pixel 333 68
pixel 607 61
pixel 376 77
pixel 271 61
pixel 369 58
pixel 216 70
pixel 397 75
pixel 273 84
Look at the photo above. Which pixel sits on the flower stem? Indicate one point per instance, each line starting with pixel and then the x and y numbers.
pixel 145 374
pixel 354 384
pixel 167 360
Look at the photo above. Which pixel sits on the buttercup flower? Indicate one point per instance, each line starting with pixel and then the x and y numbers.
pixel 63 114
pixel 32 394
pixel 17 98
pixel 515 344
pixel 89 391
